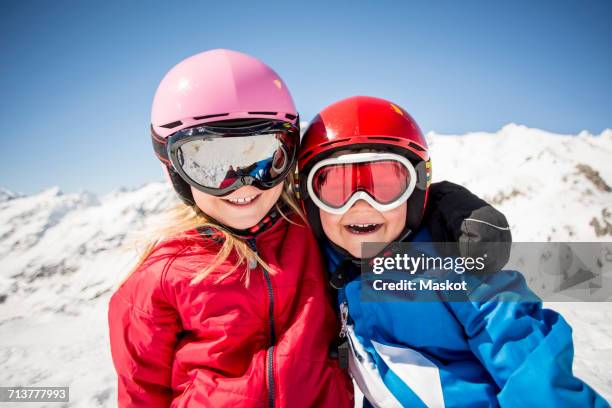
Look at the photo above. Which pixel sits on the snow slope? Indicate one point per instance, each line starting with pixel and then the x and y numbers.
pixel 61 254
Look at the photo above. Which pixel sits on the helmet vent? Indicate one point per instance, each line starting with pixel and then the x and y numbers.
pixel 333 142
pixel 263 113
pixel 210 116
pixel 237 123
pixel 417 147
pixel 290 116
pixel 172 124
pixel 391 139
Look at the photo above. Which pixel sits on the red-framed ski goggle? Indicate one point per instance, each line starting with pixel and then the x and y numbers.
pixel 384 180
pixel 218 160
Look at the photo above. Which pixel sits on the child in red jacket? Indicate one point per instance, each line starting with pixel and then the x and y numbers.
pixel 229 306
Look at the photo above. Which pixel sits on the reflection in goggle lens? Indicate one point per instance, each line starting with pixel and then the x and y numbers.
pixel 218 162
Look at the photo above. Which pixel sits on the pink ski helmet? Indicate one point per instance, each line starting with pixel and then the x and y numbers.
pixel 213 86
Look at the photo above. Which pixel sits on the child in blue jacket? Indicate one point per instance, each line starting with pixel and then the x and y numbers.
pixel 365 177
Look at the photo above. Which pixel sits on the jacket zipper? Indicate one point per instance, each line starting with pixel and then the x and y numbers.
pixel 270 351
pixel 343 319
pixel 344 313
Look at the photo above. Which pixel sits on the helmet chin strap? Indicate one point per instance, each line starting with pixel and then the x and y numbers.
pixel 182 189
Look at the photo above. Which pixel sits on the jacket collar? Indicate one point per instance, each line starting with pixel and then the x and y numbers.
pixel 344 267
pixel 266 223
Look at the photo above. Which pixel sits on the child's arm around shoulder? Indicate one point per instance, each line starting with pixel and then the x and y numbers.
pixel 455 214
pixel 143 328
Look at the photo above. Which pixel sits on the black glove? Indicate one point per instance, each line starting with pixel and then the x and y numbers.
pixel 456 215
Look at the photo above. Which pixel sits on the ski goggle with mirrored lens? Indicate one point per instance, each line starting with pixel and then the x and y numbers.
pixel 219 160
pixel 383 180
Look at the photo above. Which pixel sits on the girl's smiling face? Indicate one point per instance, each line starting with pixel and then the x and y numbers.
pixel 363 223
pixel 241 209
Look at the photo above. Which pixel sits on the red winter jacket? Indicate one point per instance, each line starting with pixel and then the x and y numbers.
pixel 223 344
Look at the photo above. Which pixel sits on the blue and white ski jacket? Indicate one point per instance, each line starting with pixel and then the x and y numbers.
pixel 457 354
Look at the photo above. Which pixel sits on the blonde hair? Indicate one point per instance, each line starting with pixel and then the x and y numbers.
pixel 182 218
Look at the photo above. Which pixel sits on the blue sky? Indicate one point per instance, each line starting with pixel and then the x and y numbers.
pixel 77 78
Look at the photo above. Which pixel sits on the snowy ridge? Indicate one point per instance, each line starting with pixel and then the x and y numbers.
pixel 551 187
pixel 61 254
pixel 60 243
pixel 6 195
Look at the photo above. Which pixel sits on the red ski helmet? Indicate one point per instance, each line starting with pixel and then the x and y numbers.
pixel 358 123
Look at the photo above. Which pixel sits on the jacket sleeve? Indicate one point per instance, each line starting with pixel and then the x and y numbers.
pixel 526 349
pixel 143 328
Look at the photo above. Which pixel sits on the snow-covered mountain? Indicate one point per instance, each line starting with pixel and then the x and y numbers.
pixel 551 187
pixel 62 255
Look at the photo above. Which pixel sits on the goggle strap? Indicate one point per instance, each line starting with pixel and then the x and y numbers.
pixel 181 187
pixel 247 128
pixel 160 147
pixel 296 184
pixel 423 171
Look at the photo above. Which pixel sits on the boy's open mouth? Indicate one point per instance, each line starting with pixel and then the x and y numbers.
pixel 362 228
